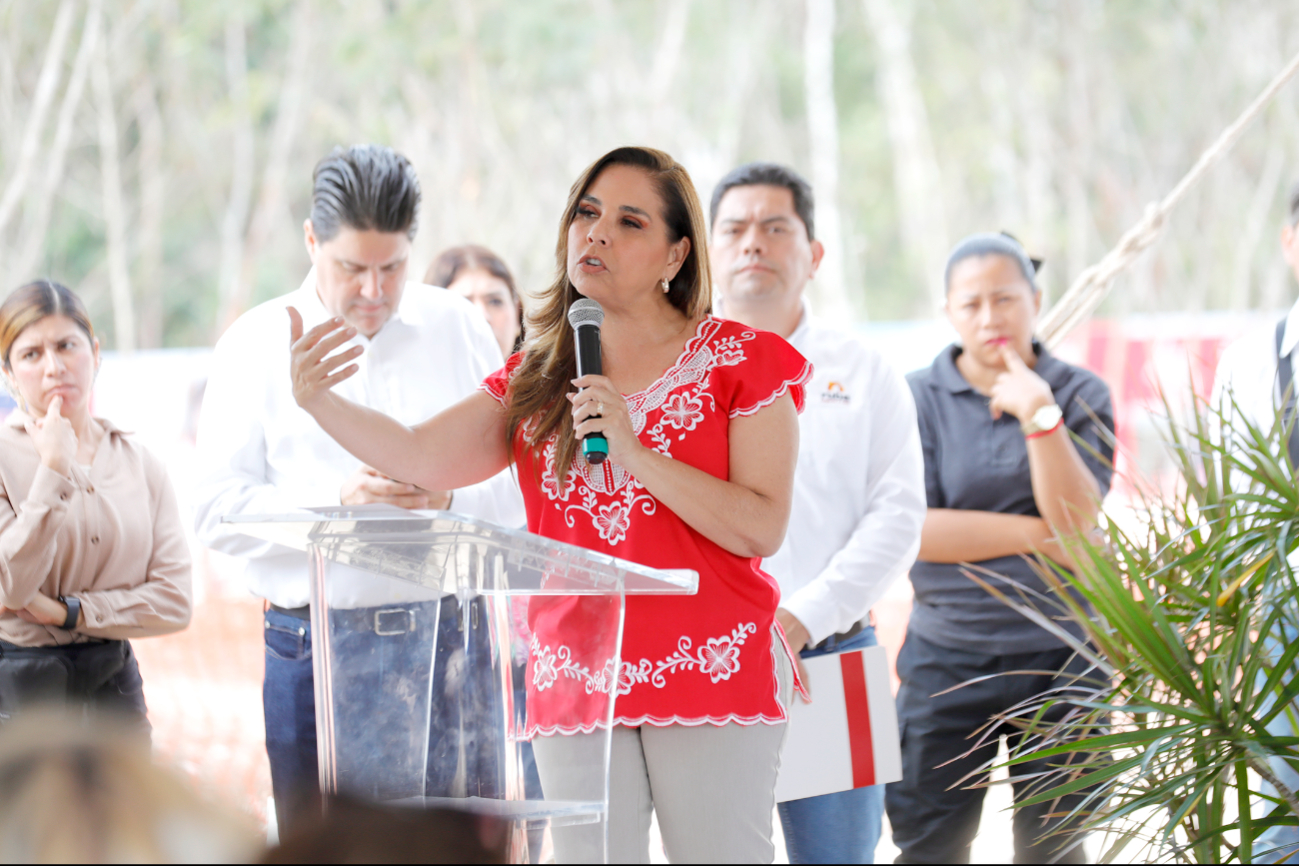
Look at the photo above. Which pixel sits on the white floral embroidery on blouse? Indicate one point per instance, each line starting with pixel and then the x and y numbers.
pixel 682 393
pixel 718 658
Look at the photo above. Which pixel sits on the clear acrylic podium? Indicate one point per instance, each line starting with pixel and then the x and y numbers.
pixel 421 642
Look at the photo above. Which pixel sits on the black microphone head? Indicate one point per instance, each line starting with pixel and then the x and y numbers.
pixel 585 311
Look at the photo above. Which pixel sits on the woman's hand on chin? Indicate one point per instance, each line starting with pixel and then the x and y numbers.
pixel 54 438
pixel 599 408
pixel 1018 391
pixel 313 369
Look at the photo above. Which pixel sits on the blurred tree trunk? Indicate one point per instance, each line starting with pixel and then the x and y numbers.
pixel 9 95
pixel 1003 159
pixel 468 129
pixel 916 175
pixel 667 58
pixel 46 86
pixel 151 173
pixel 1032 115
pixel 1080 147
pixel 736 88
pixel 823 137
pixel 37 221
pixel 1256 219
pixel 110 173
pixel 1275 289
pixel 241 170
pixel 271 201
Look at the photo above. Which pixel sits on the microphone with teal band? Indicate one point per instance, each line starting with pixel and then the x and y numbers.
pixel 586 316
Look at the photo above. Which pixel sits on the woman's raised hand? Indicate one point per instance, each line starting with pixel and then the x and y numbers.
pixel 1019 390
pixel 599 408
pixel 54 438
pixel 313 369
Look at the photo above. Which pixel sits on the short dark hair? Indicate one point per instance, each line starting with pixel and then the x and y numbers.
pixel 1294 204
pixel 992 244
pixel 364 187
pixel 768 174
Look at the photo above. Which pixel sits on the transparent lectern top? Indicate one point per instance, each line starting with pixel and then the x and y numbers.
pixel 430 547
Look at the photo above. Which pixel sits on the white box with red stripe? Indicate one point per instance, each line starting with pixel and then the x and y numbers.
pixel 848 736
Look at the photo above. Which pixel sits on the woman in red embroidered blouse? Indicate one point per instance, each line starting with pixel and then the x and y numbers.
pixel 700 417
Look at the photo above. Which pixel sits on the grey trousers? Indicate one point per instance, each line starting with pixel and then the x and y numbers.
pixel 714 789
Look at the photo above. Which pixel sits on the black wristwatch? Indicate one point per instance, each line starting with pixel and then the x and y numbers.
pixel 74 611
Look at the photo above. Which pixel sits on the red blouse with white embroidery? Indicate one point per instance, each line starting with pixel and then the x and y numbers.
pixel 708 658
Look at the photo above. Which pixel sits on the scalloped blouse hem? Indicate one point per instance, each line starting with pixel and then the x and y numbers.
pixel 797 382
pixel 491 392
pixel 655 721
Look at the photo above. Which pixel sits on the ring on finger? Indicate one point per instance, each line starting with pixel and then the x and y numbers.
pixel 599 407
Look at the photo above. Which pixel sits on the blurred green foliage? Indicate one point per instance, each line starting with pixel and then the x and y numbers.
pixel 1055 119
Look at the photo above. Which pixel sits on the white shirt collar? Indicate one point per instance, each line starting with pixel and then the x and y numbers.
pixel 1291 337
pixel 800 330
pixel 799 334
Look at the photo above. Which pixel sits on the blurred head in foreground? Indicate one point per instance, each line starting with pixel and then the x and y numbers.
pixel 364 206
pixel 353 832
pixel 77 790
pixel 993 298
pixel 480 276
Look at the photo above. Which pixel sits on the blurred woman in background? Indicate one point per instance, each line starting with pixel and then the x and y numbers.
pixel 92 552
pixel 480 276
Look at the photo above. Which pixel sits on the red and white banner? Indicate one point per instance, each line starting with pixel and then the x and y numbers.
pixel 848 736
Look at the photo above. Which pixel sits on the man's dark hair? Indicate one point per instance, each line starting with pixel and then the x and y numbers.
pixel 768 174
pixel 1294 204
pixel 364 187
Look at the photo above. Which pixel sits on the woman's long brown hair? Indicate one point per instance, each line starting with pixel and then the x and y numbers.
pixel 536 396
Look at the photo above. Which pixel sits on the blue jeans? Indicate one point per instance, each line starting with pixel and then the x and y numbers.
pixel 835 828
pixel 456 732
pixel 289 706
pixel 1279 844
pixel 102 676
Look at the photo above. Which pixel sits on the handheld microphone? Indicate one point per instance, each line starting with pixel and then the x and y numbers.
pixel 586 316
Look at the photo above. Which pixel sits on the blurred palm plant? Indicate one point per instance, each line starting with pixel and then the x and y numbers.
pixel 1193 646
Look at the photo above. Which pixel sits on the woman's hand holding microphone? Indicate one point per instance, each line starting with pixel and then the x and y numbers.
pixel 599 408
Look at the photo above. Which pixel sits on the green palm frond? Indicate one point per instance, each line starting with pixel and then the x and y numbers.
pixel 1182 618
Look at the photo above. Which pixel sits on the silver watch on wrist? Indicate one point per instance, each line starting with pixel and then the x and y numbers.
pixel 1045 418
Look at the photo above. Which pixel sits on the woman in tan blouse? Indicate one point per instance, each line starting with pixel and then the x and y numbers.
pixel 91 547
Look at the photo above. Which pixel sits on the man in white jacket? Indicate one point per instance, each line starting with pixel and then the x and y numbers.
pixel 418 351
pixel 859 492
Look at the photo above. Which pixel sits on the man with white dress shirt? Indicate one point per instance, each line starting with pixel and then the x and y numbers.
pixel 419 350
pixel 1254 375
pixel 859 493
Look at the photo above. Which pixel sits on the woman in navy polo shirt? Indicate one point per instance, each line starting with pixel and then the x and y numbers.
pixel 1002 477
